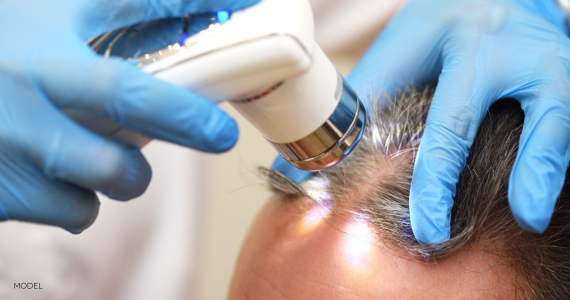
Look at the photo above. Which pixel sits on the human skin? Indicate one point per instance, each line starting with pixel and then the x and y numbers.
pixel 301 250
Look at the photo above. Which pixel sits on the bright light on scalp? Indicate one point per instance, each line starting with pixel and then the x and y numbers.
pixel 318 190
pixel 368 194
pixel 316 214
pixel 358 242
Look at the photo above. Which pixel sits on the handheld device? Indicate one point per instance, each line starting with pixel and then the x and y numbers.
pixel 265 62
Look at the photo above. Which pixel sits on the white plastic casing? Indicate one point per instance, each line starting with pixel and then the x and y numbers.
pixel 299 106
pixel 259 47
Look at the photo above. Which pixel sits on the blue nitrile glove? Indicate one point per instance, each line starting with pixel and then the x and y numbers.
pixel 49 165
pixel 478 52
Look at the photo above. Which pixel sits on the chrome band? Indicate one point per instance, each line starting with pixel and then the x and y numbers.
pixel 150 58
pixel 143 59
pixel 334 140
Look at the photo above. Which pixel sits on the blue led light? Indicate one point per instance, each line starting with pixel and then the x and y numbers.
pixel 183 38
pixel 222 16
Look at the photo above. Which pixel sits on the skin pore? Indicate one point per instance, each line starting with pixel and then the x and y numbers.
pixel 298 249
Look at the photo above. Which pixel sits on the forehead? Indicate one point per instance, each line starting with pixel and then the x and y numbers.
pixel 299 250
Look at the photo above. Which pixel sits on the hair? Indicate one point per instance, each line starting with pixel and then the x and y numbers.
pixel 375 182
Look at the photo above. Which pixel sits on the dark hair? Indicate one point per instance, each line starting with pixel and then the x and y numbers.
pixel 376 178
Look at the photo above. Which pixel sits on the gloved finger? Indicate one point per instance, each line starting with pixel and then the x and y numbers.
pixel 114 89
pixel 285 168
pixel 106 15
pixel 456 111
pixel 540 167
pixel 65 151
pixel 48 202
pixel 550 11
pixel 393 63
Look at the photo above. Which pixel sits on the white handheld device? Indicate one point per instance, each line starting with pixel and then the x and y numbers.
pixel 264 61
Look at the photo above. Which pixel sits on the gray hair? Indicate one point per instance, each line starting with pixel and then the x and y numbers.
pixel 375 181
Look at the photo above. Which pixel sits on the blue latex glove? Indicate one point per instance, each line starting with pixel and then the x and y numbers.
pixel 478 52
pixel 49 165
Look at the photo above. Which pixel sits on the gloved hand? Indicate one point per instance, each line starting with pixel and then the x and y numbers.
pixel 49 165
pixel 478 51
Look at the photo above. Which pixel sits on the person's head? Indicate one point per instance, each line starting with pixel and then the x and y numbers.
pixel 345 234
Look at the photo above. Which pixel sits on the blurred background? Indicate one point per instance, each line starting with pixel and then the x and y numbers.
pixel 181 239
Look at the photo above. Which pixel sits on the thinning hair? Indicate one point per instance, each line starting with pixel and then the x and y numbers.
pixel 375 182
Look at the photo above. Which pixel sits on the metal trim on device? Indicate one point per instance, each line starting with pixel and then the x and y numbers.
pixel 334 140
pixel 150 58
